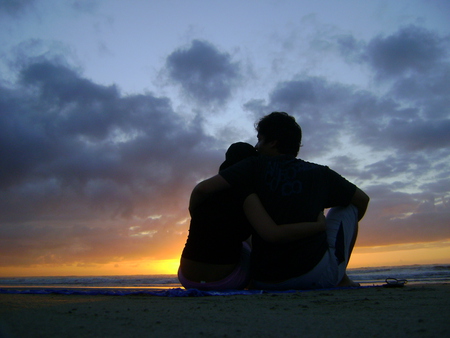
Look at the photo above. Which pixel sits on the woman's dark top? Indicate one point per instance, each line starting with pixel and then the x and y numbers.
pixel 218 228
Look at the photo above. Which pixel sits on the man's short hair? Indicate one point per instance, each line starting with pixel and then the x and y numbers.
pixel 281 127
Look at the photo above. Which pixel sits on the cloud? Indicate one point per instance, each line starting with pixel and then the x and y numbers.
pixel 395 217
pixel 419 134
pixel 402 129
pixel 314 102
pixel 414 62
pixel 349 47
pixel 326 111
pixel 14 7
pixel 89 175
pixel 411 112
pixel 87 172
pixel 411 49
pixel 203 72
pixel 87 6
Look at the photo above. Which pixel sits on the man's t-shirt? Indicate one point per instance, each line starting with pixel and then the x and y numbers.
pixel 291 190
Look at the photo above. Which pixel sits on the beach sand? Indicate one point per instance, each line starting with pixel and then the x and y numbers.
pixel 413 311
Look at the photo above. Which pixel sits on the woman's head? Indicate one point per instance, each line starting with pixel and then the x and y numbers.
pixel 237 152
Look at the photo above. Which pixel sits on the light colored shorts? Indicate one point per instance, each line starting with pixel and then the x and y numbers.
pixel 342 225
pixel 237 280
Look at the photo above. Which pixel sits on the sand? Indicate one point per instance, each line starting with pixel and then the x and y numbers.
pixel 413 311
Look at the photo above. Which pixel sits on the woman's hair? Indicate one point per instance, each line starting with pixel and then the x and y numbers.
pixel 237 152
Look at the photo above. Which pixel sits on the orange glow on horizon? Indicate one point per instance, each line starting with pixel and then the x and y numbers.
pixel 141 267
pixel 395 255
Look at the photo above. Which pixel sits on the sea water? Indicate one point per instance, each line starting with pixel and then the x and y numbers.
pixel 414 274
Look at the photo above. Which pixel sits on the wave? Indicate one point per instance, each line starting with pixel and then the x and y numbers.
pixel 366 275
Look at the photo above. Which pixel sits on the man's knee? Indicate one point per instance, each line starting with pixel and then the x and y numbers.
pixel 348 214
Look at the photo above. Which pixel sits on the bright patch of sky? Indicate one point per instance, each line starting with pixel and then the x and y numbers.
pixel 111 111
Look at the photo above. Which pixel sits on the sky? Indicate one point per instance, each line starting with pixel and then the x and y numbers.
pixel 111 112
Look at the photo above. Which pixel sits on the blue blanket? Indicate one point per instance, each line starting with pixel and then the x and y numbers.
pixel 177 292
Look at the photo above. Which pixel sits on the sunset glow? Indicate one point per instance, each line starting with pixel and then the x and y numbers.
pixel 111 112
pixel 400 255
pixel 439 253
pixel 143 267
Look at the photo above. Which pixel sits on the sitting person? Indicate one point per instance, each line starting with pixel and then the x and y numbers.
pixel 216 255
pixel 293 190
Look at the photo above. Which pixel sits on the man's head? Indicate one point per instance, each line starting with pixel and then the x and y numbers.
pixel 278 133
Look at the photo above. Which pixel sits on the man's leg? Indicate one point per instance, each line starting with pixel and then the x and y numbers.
pixel 342 230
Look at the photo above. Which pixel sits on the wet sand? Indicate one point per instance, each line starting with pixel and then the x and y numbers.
pixel 413 311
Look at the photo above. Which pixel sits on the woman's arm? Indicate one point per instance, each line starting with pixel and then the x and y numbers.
pixel 270 231
pixel 206 188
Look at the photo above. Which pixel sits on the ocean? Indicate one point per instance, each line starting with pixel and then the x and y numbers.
pixel 414 274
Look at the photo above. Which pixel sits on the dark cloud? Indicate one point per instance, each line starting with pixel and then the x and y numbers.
pixel 326 110
pixel 62 85
pixel 82 165
pixel 418 135
pixel 87 6
pixel 417 63
pixel 204 73
pixel 314 102
pixel 350 48
pixel 412 115
pixel 439 188
pixel 90 175
pixel 429 92
pixel 14 7
pixel 410 50
pixel 414 60
pixel 400 217
pixel 404 134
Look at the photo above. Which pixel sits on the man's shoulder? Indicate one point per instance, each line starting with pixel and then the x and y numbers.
pixel 304 165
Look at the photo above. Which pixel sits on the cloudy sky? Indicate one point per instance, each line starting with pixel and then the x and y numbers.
pixel 111 111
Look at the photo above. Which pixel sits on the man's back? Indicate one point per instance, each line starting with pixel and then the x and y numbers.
pixel 291 190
